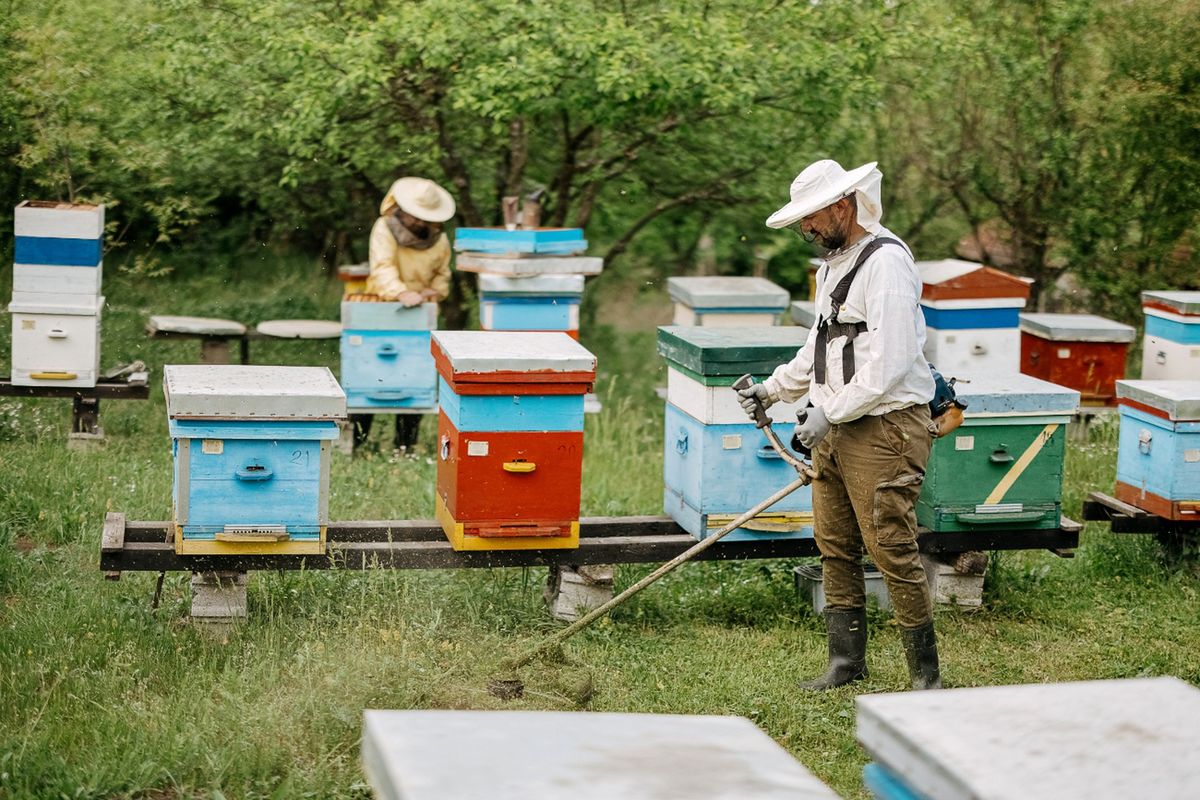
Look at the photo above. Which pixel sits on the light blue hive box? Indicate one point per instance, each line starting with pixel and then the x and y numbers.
pixel 716 463
pixel 387 365
pixel 525 241
pixel 1158 452
pixel 1171 345
pixel 252 452
pixel 530 303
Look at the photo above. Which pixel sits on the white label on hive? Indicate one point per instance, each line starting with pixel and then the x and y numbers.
pixel 212 447
pixel 1191 456
pixel 731 442
pixel 477 448
pixel 355 340
pixel 964 442
pixel 1064 352
pixel 28 324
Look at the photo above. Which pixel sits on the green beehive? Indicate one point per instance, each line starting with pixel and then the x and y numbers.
pixel 1003 468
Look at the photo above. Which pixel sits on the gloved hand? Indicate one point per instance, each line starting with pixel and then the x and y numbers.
pixel 813 429
pixel 747 395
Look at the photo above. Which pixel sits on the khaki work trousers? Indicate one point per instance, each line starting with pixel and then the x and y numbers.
pixel 871 472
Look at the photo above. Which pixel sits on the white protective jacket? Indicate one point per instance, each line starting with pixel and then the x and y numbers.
pixel 891 371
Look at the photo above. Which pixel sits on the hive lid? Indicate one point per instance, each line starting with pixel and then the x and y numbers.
pixel 1116 738
pixel 1186 303
pixel 206 391
pixel 529 265
pixel 54 220
pixel 953 279
pixel 728 292
pixel 417 755
pixel 1004 394
pixel 531 285
pixel 1178 400
pixel 730 351
pixel 484 353
pixel 1076 328
pixel 804 312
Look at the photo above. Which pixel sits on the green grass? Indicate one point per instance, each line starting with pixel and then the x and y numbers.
pixel 100 696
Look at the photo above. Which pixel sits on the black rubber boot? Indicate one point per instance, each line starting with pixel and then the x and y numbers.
pixel 847 649
pixel 920 650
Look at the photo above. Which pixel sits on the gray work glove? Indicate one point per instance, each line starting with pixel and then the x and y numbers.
pixel 813 429
pixel 747 395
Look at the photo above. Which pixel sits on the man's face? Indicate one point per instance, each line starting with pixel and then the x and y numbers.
pixel 418 226
pixel 829 227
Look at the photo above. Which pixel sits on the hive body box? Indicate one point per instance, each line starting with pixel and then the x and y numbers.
pixel 386 363
pixel 1132 738
pixel 1003 467
pixel 510 438
pixel 727 302
pixel 1158 453
pixel 56 299
pixel 1080 351
pixel 1171 346
pixel 520 242
pixel 971 316
pixel 251 448
pixel 716 463
pixel 530 303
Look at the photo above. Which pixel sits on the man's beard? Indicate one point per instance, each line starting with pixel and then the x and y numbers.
pixel 834 242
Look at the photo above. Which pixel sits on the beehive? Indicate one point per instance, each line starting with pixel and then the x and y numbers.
pixel 510 438
pixel 1088 739
pixel 252 453
pixel 716 464
pixel 726 302
pixel 1171 346
pixel 56 301
pixel 386 362
pixel 1080 351
pixel 1003 468
pixel 971 316
pixel 530 303
pixel 1158 452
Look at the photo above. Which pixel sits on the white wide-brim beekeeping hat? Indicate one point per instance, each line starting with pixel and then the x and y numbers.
pixel 823 183
pixel 420 197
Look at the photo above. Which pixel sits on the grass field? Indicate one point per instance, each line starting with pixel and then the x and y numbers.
pixel 100 696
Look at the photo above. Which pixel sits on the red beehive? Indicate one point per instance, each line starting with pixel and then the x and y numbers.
pixel 510 434
pixel 1081 351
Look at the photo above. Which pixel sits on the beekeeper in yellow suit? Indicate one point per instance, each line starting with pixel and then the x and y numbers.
pixel 410 254
pixel 410 263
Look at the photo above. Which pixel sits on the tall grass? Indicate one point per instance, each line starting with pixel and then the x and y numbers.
pixel 101 696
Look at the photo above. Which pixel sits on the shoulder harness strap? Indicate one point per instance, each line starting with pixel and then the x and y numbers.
pixel 832 328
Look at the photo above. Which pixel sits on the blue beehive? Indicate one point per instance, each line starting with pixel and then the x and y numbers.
pixel 526 241
pixel 386 361
pixel 1158 454
pixel 530 303
pixel 716 464
pixel 252 453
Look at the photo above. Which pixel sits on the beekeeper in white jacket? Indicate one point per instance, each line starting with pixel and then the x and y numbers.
pixel 869 423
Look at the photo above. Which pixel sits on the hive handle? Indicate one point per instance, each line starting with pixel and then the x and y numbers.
pixel 681 442
pixel 254 472
pixel 767 452
pixel 387 351
pixel 383 397
pixel 519 467
pixel 57 333
pixel 1000 456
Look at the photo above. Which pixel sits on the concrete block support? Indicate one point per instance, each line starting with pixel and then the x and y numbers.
pixel 574 591
pixel 956 579
pixel 218 597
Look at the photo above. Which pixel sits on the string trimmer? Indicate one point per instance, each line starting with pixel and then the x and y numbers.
pixel 510 687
